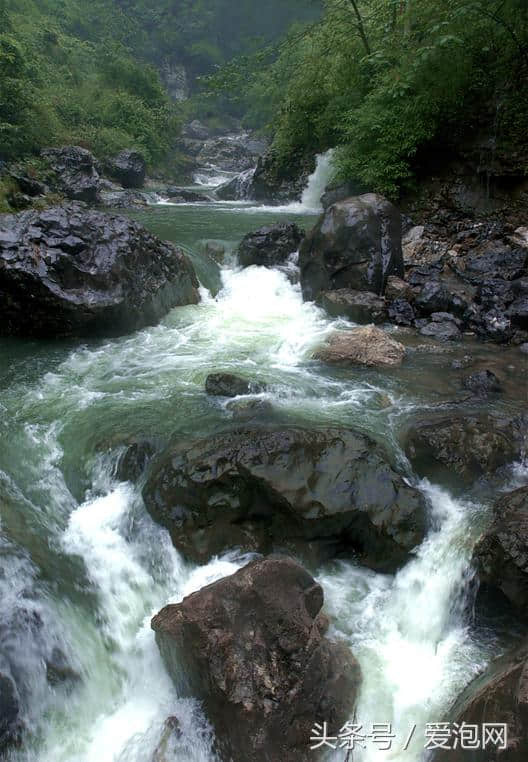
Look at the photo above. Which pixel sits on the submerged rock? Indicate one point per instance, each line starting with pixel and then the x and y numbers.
pixel 367 345
pixel 254 652
pixel 498 697
pixel 457 447
pixel 71 271
pixel 184 195
pixel 355 244
pixel 315 492
pixel 501 556
pixel 270 245
pixel 482 383
pixel 230 385
pixel 358 306
pixel 76 172
pixel 128 168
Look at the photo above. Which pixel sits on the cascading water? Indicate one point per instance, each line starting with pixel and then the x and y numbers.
pixel 317 182
pixel 77 547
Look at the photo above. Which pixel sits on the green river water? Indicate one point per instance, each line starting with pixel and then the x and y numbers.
pixel 83 568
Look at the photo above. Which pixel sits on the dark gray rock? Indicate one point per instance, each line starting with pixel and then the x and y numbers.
pixel 231 385
pixel 434 297
pixel 446 331
pixel 499 696
pixel 270 245
pixel 253 650
pixel 127 199
pixel 29 185
pixel 459 448
pixel 355 244
pixel 360 306
pixel 317 493
pixel 482 383
pixel 71 271
pixel 128 168
pixel 401 312
pixel 76 172
pixel 518 312
pixel 334 193
pixel 501 556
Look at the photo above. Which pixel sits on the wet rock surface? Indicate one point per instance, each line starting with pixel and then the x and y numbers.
pixel 10 721
pixel 501 556
pixel 76 173
pixel 499 696
pixel 356 244
pixel 318 492
pixel 128 168
pixel 362 307
pixel 270 245
pixel 367 345
pixel 71 271
pixel 252 647
pixel 231 385
pixel 456 447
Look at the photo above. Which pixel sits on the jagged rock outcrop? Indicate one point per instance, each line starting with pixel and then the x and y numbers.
pixel 71 271
pixel 252 648
pixel 317 493
pixel 355 244
pixel 76 173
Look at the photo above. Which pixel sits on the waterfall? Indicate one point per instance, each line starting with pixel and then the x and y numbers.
pixel 317 182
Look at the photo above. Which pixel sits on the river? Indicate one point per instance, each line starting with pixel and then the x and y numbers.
pixel 83 567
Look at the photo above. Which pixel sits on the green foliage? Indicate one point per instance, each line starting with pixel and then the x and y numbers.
pixel 66 80
pixel 384 83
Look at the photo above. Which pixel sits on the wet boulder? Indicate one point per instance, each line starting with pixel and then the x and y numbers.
pixel 501 556
pixel 76 173
pixel 359 306
pixel 498 697
pixel 367 345
pixel 232 153
pixel 460 448
pixel 433 297
pixel 128 168
pixel 71 271
pixel 317 493
pixel 118 199
pixel 397 288
pixel 252 648
pixel 355 244
pixel 10 720
pixel 443 327
pixel 231 385
pixel 270 245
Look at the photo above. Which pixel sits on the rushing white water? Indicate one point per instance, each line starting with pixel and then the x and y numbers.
pixel 113 568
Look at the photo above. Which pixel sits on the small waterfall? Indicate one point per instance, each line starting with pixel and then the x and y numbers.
pixel 317 182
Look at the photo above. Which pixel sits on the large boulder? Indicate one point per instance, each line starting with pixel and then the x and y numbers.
pixel 499 697
pixel 76 173
pixel 501 556
pixel 232 153
pixel 316 493
pixel 460 448
pixel 71 271
pixel 367 345
pixel 355 244
pixel 358 306
pixel 252 648
pixel 128 168
pixel 270 245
